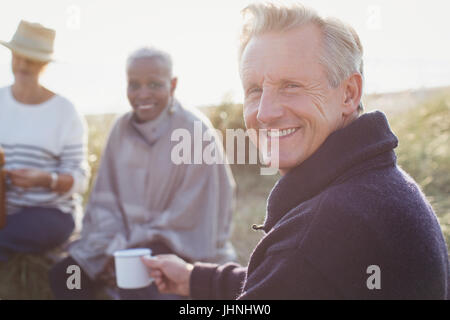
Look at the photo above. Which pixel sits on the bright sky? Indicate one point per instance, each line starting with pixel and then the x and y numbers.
pixel 406 44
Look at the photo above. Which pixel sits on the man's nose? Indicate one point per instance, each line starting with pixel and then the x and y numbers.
pixel 268 109
pixel 144 92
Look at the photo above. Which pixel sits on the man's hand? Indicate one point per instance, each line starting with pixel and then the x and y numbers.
pixel 29 178
pixel 171 273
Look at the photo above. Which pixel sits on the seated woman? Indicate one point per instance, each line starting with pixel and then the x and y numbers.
pixel 142 197
pixel 44 141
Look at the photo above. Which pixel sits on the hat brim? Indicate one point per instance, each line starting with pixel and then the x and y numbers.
pixel 31 54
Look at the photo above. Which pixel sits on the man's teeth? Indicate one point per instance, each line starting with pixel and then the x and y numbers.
pixel 146 107
pixel 281 133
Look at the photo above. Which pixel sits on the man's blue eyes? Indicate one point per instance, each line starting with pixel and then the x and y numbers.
pixel 287 86
pixel 254 90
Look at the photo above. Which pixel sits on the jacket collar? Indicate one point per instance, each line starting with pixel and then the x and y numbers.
pixel 151 131
pixel 361 144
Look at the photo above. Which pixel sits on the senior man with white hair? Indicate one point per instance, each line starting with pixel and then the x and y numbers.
pixel 344 221
pixel 141 198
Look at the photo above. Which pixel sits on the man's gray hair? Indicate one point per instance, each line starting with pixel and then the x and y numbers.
pixel 342 54
pixel 150 52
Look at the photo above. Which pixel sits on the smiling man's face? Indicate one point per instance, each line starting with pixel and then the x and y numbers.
pixel 150 87
pixel 286 88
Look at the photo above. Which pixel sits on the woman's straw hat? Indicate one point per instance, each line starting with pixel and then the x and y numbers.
pixel 33 41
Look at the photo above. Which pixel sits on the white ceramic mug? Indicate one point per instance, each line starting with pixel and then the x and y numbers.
pixel 131 273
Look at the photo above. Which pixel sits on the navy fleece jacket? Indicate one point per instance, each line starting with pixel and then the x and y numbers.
pixel 346 208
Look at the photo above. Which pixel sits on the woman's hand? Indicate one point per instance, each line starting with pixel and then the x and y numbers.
pixel 29 178
pixel 170 273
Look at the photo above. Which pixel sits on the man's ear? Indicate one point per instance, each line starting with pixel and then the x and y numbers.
pixel 352 94
pixel 173 85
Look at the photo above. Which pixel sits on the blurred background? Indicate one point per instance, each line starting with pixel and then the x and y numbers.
pixel 407 72
pixel 405 41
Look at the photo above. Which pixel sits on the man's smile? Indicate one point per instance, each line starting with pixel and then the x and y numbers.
pixel 282 133
pixel 146 107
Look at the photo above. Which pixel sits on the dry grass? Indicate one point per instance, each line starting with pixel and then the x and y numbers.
pixel 424 152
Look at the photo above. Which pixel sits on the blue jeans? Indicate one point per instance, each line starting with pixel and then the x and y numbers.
pixel 34 230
